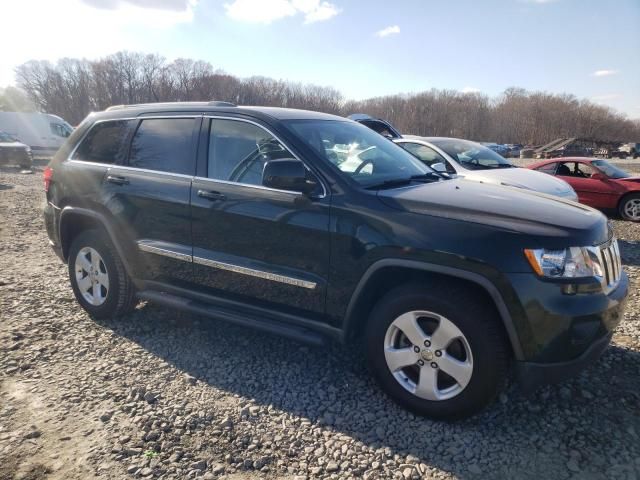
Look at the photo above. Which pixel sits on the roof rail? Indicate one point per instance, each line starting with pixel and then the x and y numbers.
pixel 214 103
pixel 219 103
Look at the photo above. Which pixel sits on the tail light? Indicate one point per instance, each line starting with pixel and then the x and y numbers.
pixel 47 176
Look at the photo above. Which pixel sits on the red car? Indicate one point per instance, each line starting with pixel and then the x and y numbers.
pixel 598 183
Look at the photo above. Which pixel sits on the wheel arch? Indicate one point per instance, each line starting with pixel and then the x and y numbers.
pixel 74 220
pixel 386 273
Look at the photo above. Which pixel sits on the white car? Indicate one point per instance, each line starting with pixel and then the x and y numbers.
pixel 474 161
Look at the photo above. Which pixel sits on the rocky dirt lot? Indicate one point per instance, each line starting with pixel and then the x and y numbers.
pixel 166 395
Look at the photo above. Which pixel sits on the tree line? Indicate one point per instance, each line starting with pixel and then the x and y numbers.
pixel 71 88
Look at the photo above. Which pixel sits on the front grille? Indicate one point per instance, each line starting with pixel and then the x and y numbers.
pixel 611 264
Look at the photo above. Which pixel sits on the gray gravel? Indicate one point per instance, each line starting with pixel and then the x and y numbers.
pixel 168 395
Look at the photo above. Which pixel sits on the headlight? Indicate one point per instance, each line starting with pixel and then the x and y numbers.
pixel 573 262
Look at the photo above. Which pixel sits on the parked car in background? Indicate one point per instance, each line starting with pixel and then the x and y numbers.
pixel 629 150
pixel 477 162
pixel 598 183
pixel 248 214
pixel 383 127
pixel 44 133
pixel 513 150
pixel 497 147
pixel 12 152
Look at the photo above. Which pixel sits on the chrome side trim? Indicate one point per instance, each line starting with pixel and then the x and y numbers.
pixel 164 252
pixel 255 273
pixel 249 185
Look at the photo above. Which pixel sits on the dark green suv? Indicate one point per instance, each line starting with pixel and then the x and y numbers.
pixel 316 227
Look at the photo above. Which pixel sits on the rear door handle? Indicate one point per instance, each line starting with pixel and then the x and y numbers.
pixel 210 195
pixel 117 180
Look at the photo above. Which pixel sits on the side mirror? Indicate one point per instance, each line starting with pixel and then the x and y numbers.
pixel 287 174
pixel 599 176
pixel 439 167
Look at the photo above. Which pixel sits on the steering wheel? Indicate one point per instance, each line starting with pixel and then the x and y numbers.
pixel 362 165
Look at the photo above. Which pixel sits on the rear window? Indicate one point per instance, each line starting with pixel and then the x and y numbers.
pixel 164 144
pixel 105 142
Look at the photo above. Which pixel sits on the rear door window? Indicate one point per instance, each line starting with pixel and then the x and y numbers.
pixel 105 143
pixel 164 144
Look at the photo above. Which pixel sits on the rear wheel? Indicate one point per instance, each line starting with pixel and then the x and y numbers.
pixel 629 207
pixel 437 351
pixel 98 277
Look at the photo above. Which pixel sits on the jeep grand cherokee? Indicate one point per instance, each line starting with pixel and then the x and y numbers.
pixel 315 227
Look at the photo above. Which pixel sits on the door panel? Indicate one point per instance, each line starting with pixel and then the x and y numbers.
pixel 262 245
pixel 150 196
pixel 256 244
pixel 153 208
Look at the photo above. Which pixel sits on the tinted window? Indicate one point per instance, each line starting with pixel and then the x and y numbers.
pixel 471 155
pixel 239 150
pixel 105 143
pixel 164 144
pixel 426 155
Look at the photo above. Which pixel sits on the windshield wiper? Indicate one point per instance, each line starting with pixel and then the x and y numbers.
pixel 396 182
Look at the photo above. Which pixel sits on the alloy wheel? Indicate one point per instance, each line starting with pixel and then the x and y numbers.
pixel 92 276
pixel 632 209
pixel 428 355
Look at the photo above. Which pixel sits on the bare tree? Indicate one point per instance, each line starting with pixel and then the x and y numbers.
pixel 72 88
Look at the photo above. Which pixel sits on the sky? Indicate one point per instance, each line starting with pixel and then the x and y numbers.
pixel 364 48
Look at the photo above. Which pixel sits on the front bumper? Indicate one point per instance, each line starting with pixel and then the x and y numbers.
pixel 561 334
pixel 531 375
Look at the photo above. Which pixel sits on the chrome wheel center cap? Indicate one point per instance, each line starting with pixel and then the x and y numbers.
pixel 427 355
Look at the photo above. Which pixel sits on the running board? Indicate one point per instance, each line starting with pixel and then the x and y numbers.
pixel 213 311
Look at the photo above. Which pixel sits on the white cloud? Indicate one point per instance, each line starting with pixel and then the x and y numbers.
pixel 317 11
pixel 470 90
pixel 267 11
pixel 115 25
pixel 385 32
pixel 604 73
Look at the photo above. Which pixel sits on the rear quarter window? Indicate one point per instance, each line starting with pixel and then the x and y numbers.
pixel 105 142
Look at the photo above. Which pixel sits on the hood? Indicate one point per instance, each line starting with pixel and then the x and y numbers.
pixel 511 209
pixel 523 178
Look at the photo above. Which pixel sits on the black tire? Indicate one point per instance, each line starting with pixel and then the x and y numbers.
pixel 120 296
pixel 478 322
pixel 623 202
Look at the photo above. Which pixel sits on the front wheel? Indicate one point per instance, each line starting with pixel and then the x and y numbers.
pixel 629 207
pixel 99 280
pixel 439 352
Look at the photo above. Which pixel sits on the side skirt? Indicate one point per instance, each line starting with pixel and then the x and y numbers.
pixel 291 326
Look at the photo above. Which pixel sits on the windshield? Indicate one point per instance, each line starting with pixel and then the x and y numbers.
pixel 610 170
pixel 5 137
pixel 471 155
pixel 358 152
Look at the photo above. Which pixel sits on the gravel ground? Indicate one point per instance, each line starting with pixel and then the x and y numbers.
pixel 169 395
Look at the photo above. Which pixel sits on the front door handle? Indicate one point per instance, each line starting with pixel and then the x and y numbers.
pixel 210 195
pixel 117 180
